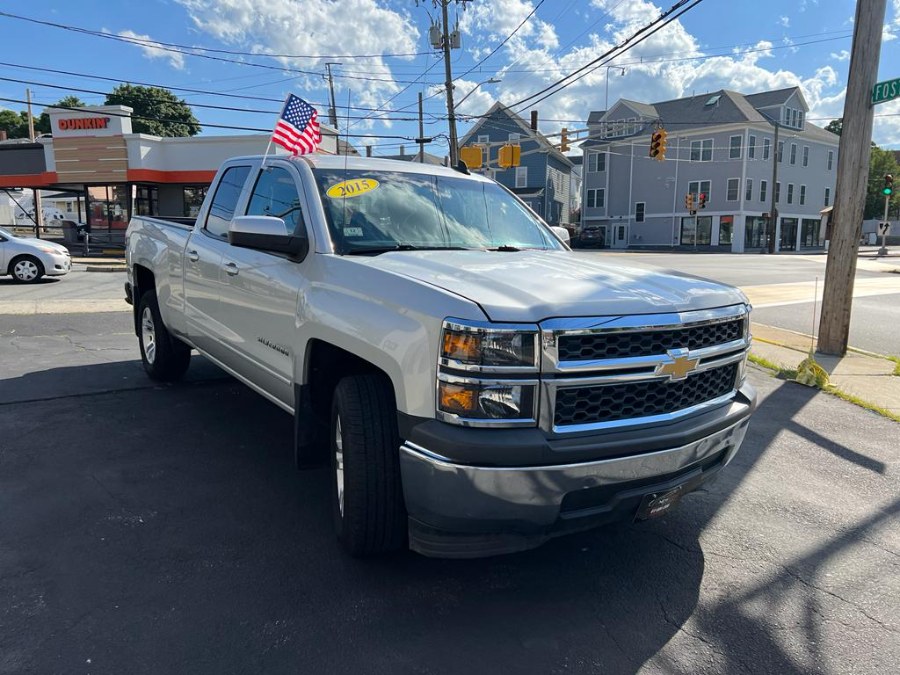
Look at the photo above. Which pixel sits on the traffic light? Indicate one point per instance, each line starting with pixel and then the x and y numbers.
pixel 689 202
pixel 702 200
pixel 658 145
pixel 471 155
pixel 564 139
pixel 509 156
pixel 888 185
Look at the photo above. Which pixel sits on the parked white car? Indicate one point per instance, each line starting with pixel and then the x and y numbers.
pixel 27 259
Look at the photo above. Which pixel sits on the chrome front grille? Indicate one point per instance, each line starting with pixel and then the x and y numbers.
pixel 621 371
pixel 613 402
pixel 614 345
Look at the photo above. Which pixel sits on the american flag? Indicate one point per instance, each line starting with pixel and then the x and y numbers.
pixel 297 129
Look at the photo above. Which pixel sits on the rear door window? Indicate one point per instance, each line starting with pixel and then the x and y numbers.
pixel 224 203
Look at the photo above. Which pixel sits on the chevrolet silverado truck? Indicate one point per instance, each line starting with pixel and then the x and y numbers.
pixel 476 387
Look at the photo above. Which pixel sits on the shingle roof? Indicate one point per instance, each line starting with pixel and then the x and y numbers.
pixel 414 157
pixel 764 99
pixel 645 109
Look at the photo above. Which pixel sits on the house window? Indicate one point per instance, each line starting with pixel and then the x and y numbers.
pixel 800 120
pixel 734 188
pixel 777 192
pixel 767 148
pixel 596 198
pixel 786 116
pixel 484 142
pixel 695 187
pixel 751 148
pixel 639 208
pixel 521 176
pixel 734 147
pixel 827 196
pixel 748 192
pixel 805 155
pixel 830 159
pixel 701 151
pixel 780 151
pixel 514 138
pixel 802 195
pixel 596 162
pixel 763 189
pixel 790 199
pixel 793 153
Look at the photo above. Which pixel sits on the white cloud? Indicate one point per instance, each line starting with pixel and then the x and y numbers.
pixel 315 27
pixel 842 55
pixel 784 21
pixel 153 49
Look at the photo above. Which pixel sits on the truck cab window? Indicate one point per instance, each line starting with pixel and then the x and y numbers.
pixel 228 191
pixel 275 194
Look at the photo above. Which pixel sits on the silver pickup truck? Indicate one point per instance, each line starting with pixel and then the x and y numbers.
pixel 476 386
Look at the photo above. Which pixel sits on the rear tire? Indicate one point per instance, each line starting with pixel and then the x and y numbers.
pixel 165 358
pixel 26 269
pixel 367 495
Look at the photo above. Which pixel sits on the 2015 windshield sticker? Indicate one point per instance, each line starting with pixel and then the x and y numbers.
pixel 351 188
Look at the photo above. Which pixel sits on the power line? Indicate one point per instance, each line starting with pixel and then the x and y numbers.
pixel 156 43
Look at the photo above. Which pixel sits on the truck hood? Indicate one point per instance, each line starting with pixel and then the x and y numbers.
pixel 530 286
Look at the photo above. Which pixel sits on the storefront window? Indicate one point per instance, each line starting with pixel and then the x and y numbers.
pixel 810 233
pixel 788 234
pixel 108 207
pixel 755 233
pixel 146 201
pixel 193 199
pixel 726 230
pixel 696 235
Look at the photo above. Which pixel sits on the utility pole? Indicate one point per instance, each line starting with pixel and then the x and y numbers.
pixel 451 113
pixel 332 111
pixel 421 139
pixel 852 178
pixel 38 207
pixel 773 209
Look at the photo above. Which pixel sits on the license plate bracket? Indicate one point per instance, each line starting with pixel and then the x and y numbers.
pixel 657 504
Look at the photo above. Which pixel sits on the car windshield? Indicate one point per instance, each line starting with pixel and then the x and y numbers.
pixel 371 212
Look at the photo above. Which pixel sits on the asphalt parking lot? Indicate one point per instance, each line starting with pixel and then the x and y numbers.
pixel 163 529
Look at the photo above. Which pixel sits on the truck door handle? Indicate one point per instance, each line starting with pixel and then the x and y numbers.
pixel 231 269
pixel 193 256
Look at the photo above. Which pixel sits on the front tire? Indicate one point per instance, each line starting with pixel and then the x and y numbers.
pixel 367 496
pixel 165 358
pixel 26 269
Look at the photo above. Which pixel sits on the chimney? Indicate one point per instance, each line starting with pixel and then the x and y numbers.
pixel 402 151
pixel 534 120
pixel 2 134
pixel 368 151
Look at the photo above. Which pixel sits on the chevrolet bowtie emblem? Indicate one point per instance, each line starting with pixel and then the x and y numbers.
pixel 680 365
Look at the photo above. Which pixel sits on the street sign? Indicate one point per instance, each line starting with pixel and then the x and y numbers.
pixel 884 229
pixel 885 91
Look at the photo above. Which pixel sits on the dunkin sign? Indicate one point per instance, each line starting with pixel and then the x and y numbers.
pixel 82 123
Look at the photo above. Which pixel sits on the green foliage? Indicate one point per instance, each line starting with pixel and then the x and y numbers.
pixel 836 126
pixel 157 111
pixel 13 124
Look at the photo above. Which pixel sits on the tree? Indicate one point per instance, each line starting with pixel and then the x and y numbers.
pixel 12 123
pixel 836 126
pixel 42 123
pixel 157 111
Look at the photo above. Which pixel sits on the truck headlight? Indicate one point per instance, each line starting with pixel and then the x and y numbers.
pixel 471 400
pixel 470 346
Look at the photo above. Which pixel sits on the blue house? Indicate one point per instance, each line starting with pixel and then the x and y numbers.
pixel 542 180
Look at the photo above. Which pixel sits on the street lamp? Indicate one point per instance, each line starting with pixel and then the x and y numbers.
pixel 620 68
pixel 454 151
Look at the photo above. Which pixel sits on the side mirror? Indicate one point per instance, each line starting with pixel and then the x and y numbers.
pixel 265 233
pixel 562 233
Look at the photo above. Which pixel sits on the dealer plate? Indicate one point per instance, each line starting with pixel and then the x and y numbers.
pixel 657 504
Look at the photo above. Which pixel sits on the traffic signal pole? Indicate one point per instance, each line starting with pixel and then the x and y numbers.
pixel 852 178
pixel 887 202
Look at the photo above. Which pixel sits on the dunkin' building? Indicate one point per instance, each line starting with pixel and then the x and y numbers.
pixel 94 155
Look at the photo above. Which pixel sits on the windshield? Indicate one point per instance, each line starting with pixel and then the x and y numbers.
pixel 377 211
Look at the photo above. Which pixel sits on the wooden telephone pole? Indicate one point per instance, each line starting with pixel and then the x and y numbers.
pixel 852 178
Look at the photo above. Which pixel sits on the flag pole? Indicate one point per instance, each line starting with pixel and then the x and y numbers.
pixel 269 144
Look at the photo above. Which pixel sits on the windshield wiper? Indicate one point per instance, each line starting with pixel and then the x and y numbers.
pixel 506 249
pixel 375 250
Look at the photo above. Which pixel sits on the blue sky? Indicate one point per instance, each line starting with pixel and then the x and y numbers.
pixel 745 46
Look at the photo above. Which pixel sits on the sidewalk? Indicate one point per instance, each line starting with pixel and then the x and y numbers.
pixel 864 376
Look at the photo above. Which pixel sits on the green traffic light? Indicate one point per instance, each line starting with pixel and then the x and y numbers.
pixel 887 191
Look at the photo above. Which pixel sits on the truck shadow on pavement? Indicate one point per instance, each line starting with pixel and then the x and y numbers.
pixel 164 529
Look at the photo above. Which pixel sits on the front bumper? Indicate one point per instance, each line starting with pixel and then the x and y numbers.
pixel 461 510
pixel 56 264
